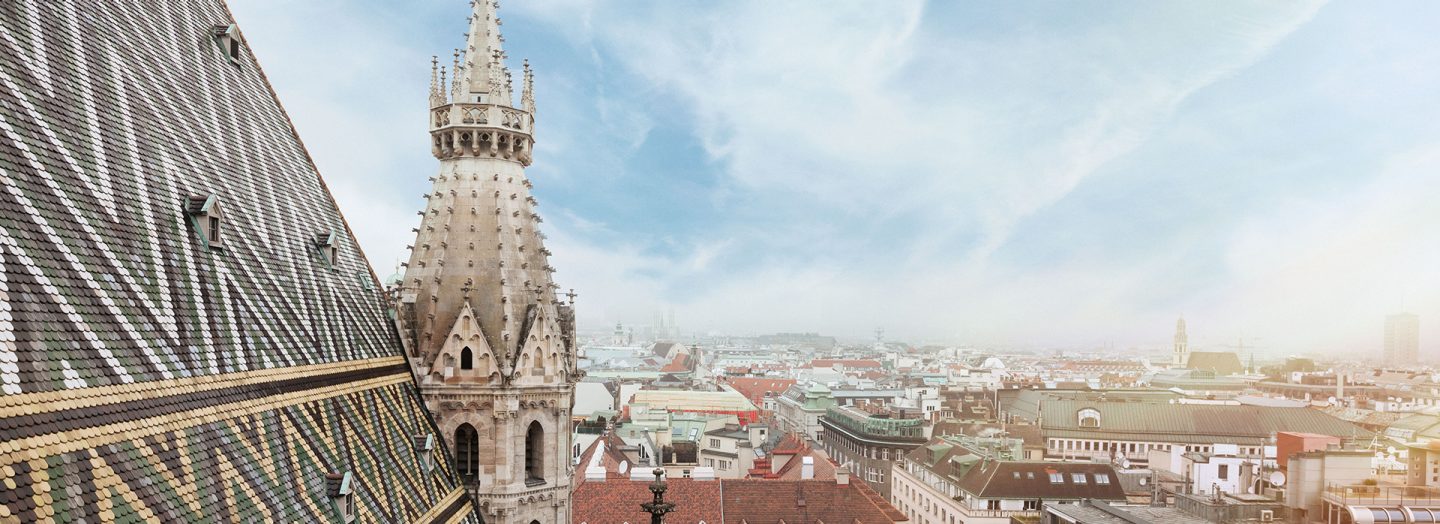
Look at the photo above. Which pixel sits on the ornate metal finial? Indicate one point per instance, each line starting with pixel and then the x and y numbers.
pixel 658 508
pixel 571 295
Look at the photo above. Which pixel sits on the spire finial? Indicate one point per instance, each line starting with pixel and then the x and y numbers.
pixel 527 94
pixel 434 71
pixel 482 42
pixel 455 84
pixel 657 508
pixel 442 75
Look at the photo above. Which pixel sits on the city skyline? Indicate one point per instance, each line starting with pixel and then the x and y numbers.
pixel 693 165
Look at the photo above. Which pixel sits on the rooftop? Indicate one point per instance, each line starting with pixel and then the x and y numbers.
pixel 875 425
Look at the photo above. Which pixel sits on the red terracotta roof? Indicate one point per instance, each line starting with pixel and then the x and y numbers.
pixel 677 365
pixel 610 459
pixel 617 501
pixel 756 388
pixel 804 501
pixel 751 501
pixel 790 443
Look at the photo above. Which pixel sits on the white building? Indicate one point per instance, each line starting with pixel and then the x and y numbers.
pixel 946 482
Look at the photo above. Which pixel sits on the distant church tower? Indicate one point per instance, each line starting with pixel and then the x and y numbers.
pixel 487 334
pixel 1182 344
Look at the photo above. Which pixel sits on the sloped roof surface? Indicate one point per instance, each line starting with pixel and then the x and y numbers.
pixel 145 374
pixel 1203 421
pixel 1010 480
pixel 1222 363
pixel 804 501
pixel 617 501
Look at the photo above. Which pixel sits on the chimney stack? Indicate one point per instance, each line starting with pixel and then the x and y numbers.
pixel 842 476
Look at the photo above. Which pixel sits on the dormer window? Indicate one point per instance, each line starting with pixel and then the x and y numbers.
pixel 227 38
pixel 338 486
pixel 206 218
pixel 328 244
pixel 425 450
pixel 1089 418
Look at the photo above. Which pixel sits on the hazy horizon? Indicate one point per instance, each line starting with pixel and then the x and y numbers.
pixel 1023 174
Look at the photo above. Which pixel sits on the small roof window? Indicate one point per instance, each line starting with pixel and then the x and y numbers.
pixel 206 219
pixel 425 449
pixel 227 38
pixel 338 486
pixel 328 244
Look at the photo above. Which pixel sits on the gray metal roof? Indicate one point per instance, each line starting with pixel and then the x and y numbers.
pixel 1201 423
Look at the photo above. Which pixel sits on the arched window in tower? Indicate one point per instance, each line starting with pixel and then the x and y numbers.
pixel 1089 418
pixel 534 455
pixel 467 358
pixel 467 451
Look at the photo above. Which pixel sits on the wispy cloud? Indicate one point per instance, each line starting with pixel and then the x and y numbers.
pixel 1006 173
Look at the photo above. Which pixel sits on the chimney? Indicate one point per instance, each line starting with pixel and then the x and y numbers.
pixel 842 476
pixel 807 467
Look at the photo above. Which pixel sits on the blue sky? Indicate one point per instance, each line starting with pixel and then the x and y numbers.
pixel 1042 174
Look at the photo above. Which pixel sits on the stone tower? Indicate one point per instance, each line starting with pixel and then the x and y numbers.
pixel 490 339
pixel 1182 344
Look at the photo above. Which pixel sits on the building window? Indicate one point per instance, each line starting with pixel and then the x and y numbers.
pixel 1102 479
pixel 1079 478
pixel 992 504
pixel 1224 472
pixel 714 442
pixel 467 451
pixel 1032 505
pixel 467 358
pixel 1057 478
pixel 534 455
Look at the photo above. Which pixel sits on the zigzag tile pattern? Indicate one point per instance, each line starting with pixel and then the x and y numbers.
pixel 147 374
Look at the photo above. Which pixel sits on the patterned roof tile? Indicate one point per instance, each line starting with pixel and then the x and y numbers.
pixel 147 372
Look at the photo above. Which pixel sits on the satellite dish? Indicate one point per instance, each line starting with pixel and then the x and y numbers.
pixel 1277 478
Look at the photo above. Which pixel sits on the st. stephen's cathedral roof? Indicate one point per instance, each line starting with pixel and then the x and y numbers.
pixel 188 330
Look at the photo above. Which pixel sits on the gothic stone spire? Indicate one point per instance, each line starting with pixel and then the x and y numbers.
pixel 492 344
pixel 484 68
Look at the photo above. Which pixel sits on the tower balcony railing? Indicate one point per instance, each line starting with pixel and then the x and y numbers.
pixel 475 114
